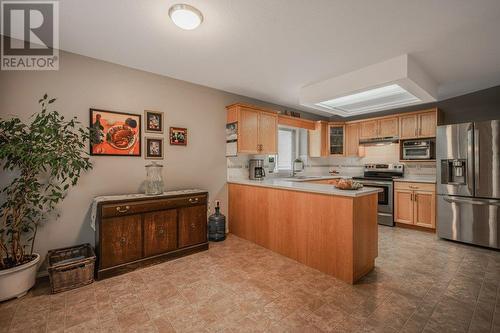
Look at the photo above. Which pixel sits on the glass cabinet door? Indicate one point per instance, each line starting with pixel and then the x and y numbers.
pixel 337 136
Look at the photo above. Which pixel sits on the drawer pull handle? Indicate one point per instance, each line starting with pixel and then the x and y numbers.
pixel 161 231
pixel 193 200
pixel 119 209
pixel 123 240
pixel 193 226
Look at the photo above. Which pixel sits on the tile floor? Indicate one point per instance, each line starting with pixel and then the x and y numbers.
pixel 420 284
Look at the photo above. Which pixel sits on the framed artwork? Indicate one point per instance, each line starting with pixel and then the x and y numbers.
pixel 153 148
pixel 115 133
pixel 178 136
pixel 153 121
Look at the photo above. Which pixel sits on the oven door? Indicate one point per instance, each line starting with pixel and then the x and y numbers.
pixel 385 206
pixel 417 153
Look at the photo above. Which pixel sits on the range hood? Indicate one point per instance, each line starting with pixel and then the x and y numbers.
pixel 387 85
pixel 379 141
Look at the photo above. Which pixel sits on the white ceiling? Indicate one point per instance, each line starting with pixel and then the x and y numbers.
pixel 269 49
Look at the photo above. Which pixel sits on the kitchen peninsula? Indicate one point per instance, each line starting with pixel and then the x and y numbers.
pixel 332 230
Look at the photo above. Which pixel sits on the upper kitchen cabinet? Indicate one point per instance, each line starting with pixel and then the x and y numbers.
pixel 318 140
pixel 379 128
pixel 418 125
pixel 257 128
pixel 336 139
pixel 352 147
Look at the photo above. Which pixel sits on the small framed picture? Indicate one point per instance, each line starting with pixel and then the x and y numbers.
pixel 154 148
pixel 153 121
pixel 178 136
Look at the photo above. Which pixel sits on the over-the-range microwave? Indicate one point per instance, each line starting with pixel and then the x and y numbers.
pixel 421 149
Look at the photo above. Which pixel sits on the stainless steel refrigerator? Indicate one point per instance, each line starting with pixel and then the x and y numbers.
pixel 468 186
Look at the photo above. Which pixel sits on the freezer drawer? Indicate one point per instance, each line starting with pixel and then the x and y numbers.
pixel 469 220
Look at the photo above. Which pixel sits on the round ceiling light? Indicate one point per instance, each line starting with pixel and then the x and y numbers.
pixel 185 16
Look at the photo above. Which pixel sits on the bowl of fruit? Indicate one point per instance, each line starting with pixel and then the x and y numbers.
pixel 348 184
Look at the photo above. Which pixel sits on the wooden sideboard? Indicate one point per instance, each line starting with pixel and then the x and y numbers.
pixel 139 232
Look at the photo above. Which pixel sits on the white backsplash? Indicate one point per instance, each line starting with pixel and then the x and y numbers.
pixel 237 167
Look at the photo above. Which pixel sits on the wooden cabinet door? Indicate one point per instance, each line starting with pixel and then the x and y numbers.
pixel 388 127
pixel 268 133
pixel 121 240
pixel 248 135
pixel 427 124
pixel 318 140
pixel 403 206
pixel 160 232
pixel 368 129
pixel 408 126
pixel 352 139
pixel 192 225
pixel 424 209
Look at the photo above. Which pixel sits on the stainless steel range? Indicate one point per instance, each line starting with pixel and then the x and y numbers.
pixel 381 176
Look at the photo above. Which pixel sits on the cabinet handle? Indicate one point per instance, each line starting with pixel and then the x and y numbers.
pixel 193 226
pixel 123 240
pixel 193 200
pixel 161 231
pixel 119 209
pixel 413 186
pixel 411 196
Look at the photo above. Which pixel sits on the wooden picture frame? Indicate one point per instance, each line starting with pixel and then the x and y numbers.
pixel 115 133
pixel 153 148
pixel 178 136
pixel 153 121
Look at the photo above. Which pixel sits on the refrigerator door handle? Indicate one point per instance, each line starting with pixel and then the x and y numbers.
pixel 470 154
pixel 472 201
pixel 477 174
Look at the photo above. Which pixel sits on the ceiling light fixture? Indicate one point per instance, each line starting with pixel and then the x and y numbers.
pixel 185 16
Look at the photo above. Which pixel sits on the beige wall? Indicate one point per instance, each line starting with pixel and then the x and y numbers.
pixel 82 83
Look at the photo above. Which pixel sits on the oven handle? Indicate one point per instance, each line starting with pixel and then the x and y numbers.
pixel 374 183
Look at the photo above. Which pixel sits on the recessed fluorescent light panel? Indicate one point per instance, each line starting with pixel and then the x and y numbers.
pixel 386 85
pixel 382 98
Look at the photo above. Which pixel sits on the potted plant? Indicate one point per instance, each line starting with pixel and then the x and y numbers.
pixel 44 158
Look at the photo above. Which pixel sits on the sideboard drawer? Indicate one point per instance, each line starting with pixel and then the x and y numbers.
pixel 135 207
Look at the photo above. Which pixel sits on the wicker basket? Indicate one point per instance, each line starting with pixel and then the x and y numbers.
pixel 71 267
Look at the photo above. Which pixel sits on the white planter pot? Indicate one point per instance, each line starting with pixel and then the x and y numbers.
pixel 16 281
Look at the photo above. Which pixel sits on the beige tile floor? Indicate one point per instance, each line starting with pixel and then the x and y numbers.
pixel 420 284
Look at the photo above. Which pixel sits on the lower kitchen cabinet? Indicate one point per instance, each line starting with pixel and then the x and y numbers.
pixel 142 231
pixel 415 204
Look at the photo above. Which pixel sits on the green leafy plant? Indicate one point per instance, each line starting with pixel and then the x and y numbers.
pixel 46 157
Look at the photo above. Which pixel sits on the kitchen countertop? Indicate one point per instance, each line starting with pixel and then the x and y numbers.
pixel 417 179
pixel 302 185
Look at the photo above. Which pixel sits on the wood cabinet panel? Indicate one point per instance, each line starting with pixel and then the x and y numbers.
pixel 192 225
pixel 352 140
pixel 268 124
pixel 368 129
pixel 403 208
pixel 427 124
pixel 388 127
pixel 248 134
pixel 318 140
pixel 121 240
pixel 160 232
pixel 408 126
pixel 424 209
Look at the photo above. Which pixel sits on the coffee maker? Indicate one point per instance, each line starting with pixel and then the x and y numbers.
pixel 256 169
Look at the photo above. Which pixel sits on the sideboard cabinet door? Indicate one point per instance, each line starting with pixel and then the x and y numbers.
pixel 121 240
pixel 160 232
pixel 192 225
